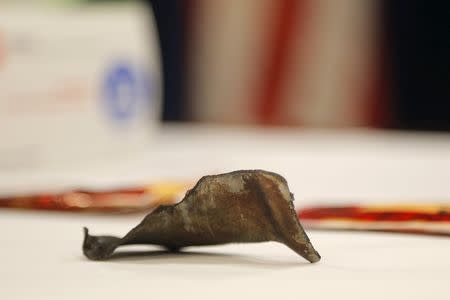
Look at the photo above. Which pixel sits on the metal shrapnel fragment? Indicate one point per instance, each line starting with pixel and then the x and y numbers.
pixel 237 207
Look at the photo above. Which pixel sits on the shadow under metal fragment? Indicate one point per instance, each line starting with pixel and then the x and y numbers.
pixel 163 257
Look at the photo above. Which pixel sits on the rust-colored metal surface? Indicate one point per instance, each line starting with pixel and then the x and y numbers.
pixel 237 207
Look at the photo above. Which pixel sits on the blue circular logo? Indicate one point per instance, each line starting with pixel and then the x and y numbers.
pixel 121 92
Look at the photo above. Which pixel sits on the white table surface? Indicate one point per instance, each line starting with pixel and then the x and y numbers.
pixel 40 253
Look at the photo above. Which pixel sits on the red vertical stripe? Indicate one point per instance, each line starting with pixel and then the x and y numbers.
pixel 378 110
pixel 280 42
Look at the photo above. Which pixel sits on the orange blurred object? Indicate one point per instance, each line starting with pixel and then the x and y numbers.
pixel 123 200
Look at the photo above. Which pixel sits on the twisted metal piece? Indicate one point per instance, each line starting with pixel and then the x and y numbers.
pixel 238 207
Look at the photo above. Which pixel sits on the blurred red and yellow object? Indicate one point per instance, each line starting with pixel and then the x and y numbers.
pixel 122 200
pixel 430 219
pixel 433 219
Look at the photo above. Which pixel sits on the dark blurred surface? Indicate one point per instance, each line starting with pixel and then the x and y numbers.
pixel 170 20
pixel 418 39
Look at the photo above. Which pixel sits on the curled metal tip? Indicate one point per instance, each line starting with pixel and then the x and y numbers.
pixel 237 207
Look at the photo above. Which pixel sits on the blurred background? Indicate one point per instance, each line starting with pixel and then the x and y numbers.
pixel 84 81
pixel 307 63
